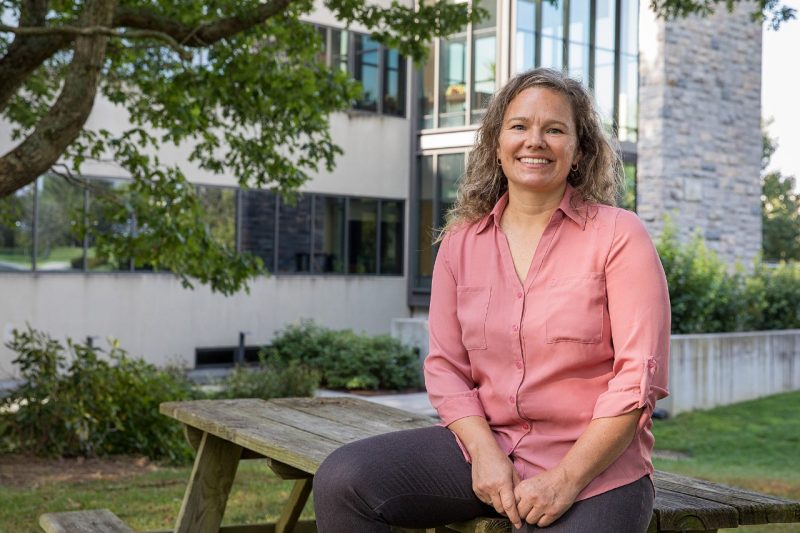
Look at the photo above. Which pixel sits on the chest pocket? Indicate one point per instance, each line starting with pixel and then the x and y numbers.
pixel 575 309
pixel 472 308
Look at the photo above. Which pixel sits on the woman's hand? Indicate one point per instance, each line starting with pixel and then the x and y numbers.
pixel 542 499
pixel 493 474
pixel 493 480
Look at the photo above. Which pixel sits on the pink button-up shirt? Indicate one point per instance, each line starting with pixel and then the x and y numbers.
pixel 585 336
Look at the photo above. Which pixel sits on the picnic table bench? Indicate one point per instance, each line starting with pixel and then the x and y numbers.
pixel 294 435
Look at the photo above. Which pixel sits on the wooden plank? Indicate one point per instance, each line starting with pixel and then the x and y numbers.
pixel 303 526
pixel 355 412
pixel 285 471
pixel 209 485
pixel 342 424
pixel 294 506
pixel 90 521
pixel 241 422
pixel 682 512
pixel 753 508
pixel 482 525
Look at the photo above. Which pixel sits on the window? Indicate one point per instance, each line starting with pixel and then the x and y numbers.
pixel 525 43
pixel 219 207
pixel 426 91
pixel 629 71
pixel 294 236
pixel 329 242
pixel 380 70
pixel 484 61
pixel 580 16
pixel 453 81
pixel 98 222
pixel 552 42
pixel 16 230
pixel 391 237
pixel 437 184
pixel 366 71
pixel 604 61
pixel 362 236
pixel 257 225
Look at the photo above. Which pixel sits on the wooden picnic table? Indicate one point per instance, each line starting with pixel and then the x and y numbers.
pixel 294 435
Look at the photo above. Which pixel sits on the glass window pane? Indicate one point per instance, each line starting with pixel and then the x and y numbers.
pixel 391 237
pixel 629 71
pixel 362 236
pixel 425 229
pixel 257 225
pixel 604 84
pixel 451 169
pixel 101 220
pixel 339 49
pixel 605 20
pixel 552 35
pixel 525 44
pixel 59 213
pixel 484 61
pixel 16 230
pixel 329 234
pixel 426 80
pixel 579 40
pixel 366 71
pixel 394 83
pixel 294 236
pixel 219 208
pixel 453 81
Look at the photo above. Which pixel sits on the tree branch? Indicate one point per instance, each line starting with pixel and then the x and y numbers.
pixel 65 120
pixel 74 31
pixel 197 36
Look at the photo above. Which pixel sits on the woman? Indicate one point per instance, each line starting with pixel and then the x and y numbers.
pixel 549 337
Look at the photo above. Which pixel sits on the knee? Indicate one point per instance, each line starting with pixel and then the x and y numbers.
pixel 340 475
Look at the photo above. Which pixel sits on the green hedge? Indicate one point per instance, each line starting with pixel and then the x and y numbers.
pixel 708 298
pixel 347 360
pixel 77 401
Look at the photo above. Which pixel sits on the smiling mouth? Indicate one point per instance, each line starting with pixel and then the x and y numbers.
pixel 534 160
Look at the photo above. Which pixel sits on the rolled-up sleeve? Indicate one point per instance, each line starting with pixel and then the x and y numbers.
pixel 639 312
pixel 448 380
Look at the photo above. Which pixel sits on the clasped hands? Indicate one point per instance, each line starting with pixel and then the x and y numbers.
pixel 539 500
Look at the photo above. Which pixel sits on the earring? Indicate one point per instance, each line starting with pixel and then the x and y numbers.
pixel 499 163
pixel 574 167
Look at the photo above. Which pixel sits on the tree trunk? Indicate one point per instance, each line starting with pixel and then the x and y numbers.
pixel 64 121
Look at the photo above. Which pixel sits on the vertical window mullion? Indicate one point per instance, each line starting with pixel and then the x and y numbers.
pixel 592 31
pixel 617 62
pixel 276 229
pixel 85 244
pixel 468 81
pixel 312 227
pixel 35 228
pixel 537 38
pixel 565 43
pixel 346 268
pixel 378 237
pixel 436 80
pixel 381 81
pixel 237 226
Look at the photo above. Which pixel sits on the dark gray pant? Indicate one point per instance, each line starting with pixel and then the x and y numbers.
pixel 419 478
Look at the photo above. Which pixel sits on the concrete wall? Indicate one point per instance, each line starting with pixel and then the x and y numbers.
pixel 154 317
pixel 699 149
pixel 724 368
pixel 706 370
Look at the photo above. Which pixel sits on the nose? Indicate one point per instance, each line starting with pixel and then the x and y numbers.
pixel 535 139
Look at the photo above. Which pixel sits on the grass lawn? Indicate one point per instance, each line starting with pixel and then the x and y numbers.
pixel 755 445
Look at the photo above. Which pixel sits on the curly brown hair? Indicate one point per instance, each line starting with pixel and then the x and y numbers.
pixel 598 179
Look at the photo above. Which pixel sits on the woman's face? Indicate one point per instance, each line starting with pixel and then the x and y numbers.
pixel 538 142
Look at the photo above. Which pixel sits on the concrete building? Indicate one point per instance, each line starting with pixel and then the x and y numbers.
pixel 683 97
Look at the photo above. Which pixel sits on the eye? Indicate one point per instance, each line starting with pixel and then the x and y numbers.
pixel 518 127
pixel 555 130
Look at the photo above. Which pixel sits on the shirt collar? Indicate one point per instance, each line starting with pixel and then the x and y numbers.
pixel 565 206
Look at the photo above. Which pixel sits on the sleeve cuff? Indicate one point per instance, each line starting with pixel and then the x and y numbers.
pixel 456 407
pixel 618 401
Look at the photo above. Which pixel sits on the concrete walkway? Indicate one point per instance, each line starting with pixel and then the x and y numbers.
pixel 416 402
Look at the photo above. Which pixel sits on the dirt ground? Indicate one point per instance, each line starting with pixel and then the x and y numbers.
pixel 20 471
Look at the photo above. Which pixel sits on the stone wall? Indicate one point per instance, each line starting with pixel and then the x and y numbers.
pixel 699 148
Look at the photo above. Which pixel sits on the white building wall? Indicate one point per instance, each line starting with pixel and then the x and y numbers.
pixel 154 317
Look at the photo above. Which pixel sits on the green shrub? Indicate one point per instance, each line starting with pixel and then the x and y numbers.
pixel 347 360
pixel 707 298
pixel 273 378
pixel 73 402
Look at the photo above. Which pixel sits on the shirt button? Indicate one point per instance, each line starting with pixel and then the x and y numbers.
pixel 526 426
pixel 511 399
pixel 515 327
pixel 519 364
pixel 519 295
